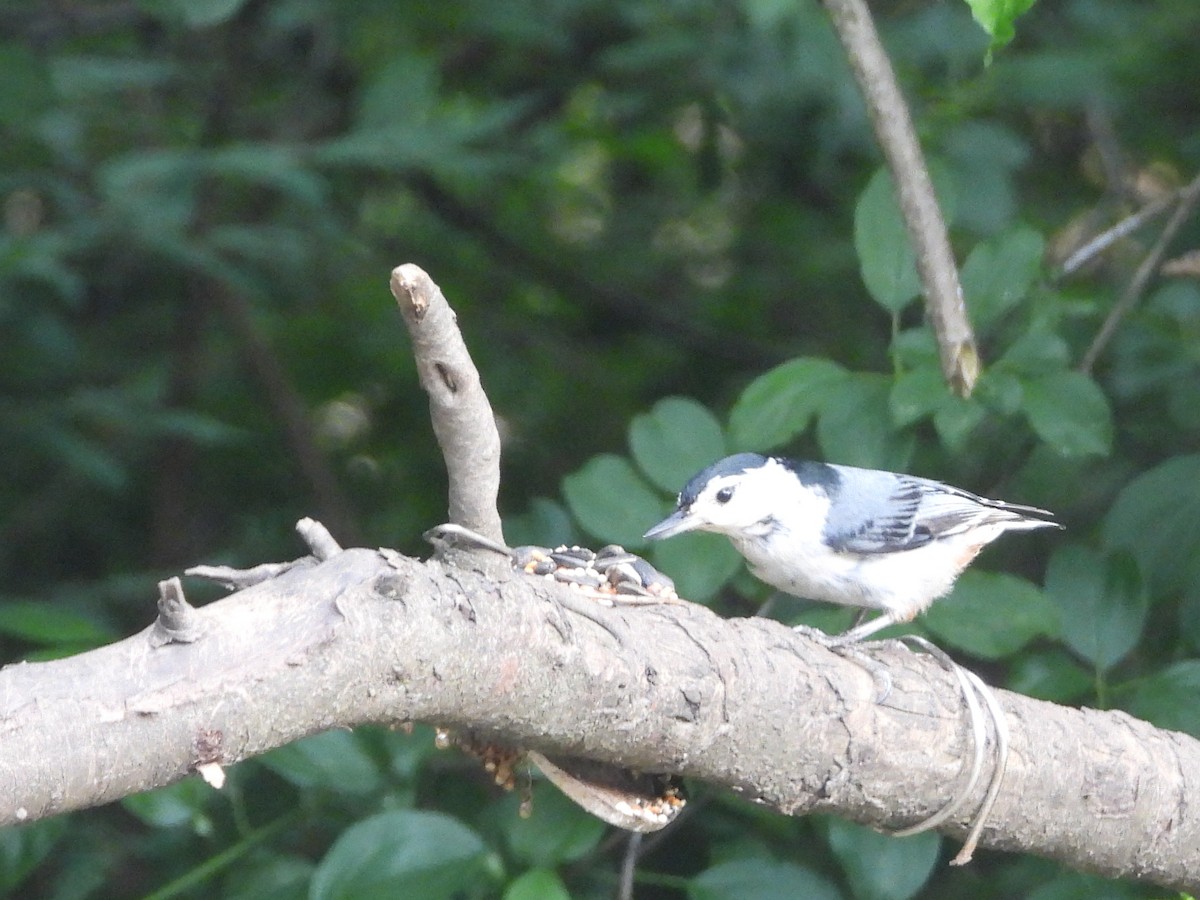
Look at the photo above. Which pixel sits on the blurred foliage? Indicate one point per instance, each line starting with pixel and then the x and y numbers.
pixel 200 202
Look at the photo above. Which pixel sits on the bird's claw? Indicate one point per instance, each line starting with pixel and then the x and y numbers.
pixel 835 643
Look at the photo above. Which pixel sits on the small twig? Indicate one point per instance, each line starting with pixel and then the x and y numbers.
pixel 1110 236
pixel 177 622
pixel 318 538
pixel 462 417
pixel 1187 200
pixel 918 204
pixel 240 579
pixel 629 866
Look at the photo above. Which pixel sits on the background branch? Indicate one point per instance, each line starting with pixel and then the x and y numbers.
pixel 918 203
pixel 290 410
pixel 1185 206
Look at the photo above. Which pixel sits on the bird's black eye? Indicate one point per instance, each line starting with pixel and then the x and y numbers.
pixel 724 495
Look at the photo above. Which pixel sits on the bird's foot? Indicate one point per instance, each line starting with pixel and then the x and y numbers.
pixel 836 643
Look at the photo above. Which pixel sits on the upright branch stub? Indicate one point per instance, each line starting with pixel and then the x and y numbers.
pixel 462 417
pixel 918 203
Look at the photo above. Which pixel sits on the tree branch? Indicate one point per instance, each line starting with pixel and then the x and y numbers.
pixel 918 204
pixel 746 703
pixel 289 409
pixel 1186 203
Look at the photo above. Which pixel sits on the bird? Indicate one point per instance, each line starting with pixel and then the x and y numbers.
pixel 864 538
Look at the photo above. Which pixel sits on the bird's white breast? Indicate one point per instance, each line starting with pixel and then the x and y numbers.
pixel 904 583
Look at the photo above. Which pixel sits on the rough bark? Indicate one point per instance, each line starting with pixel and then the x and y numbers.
pixel 748 704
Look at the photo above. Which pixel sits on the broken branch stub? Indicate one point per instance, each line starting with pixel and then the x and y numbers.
pixel 462 417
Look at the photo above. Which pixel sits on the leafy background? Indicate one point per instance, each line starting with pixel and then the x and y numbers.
pixel 667 236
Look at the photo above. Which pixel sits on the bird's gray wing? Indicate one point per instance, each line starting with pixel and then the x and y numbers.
pixel 882 512
pixel 877 512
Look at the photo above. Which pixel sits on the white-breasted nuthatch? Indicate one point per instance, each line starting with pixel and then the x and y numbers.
pixel 850 536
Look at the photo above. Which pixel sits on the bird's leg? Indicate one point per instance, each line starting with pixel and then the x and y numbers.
pixel 864 630
pixel 834 643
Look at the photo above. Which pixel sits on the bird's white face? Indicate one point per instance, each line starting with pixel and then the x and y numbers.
pixel 748 504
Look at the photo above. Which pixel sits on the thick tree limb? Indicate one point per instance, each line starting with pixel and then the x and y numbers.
pixel 746 703
pixel 918 204
pixel 462 417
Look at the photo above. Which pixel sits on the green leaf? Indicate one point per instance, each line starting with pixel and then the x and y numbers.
pixel 957 420
pixel 779 404
pixel 611 501
pixel 761 879
pixel 45 623
pixel 997 17
pixel 556 831
pixel 992 614
pixel 27 94
pixel 403 853
pixel 916 348
pixel 334 760
pixel 1070 413
pixel 1189 617
pixel 700 564
pixel 674 441
pixel 1036 352
pixel 86 78
pixel 23 849
pixel 1081 886
pixel 916 394
pixel 193 13
pixel 537 884
pixel 1101 602
pixel 1000 391
pixel 1156 517
pixel 986 155
pixel 999 272
pixel 880 867
pixel 1051 674
pixel 269 878
pixel 1167 698
pixel 546 523
pixel 854 427
pixel 173 805
pixel 885 256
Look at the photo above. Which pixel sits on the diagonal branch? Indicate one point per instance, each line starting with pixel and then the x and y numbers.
pixel 1186 203
pixel 289 409
pixel 918 204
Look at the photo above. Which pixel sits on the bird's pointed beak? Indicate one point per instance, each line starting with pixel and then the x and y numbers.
pixel 676 523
